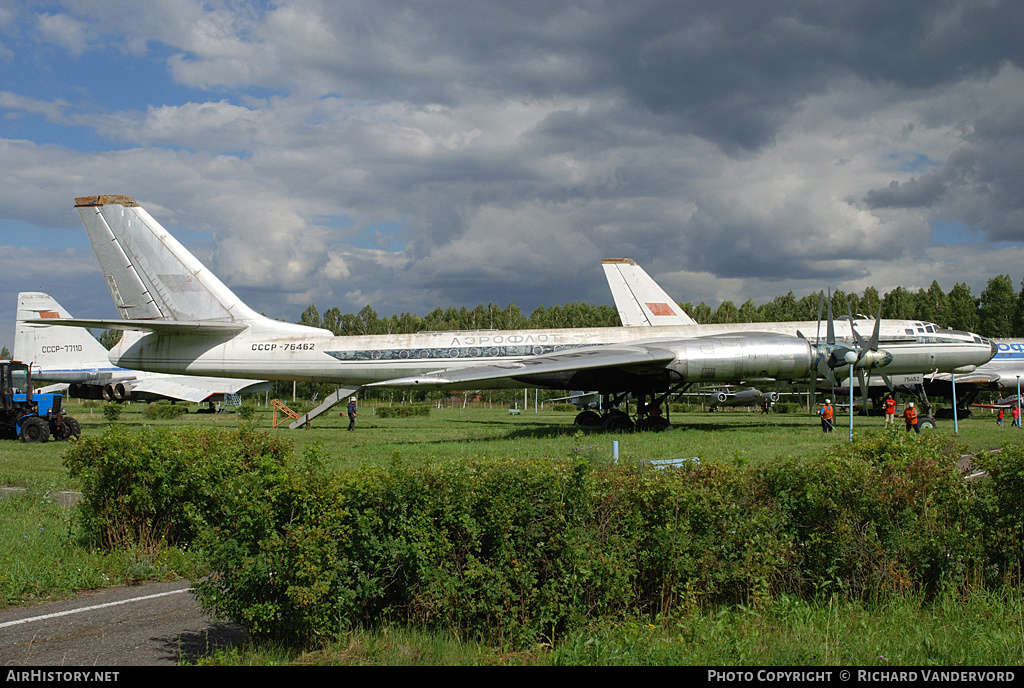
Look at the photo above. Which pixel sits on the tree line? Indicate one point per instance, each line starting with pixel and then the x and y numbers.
pixel 997 312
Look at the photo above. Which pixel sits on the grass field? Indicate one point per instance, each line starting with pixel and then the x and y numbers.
pixel 453 432
pixel 44 558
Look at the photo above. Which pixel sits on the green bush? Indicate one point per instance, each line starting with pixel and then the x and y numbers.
pixel 164 410
pixel 519 551
pixel 112 411
pixel 149 487
pixel 1001 513
pixel 522 550
pixel 404 411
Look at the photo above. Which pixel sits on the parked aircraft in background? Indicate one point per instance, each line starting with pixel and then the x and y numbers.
pixel 730 396
pixel 1001 403
pixel 180 319
pixel 581 400
pixel 639 300
pixel 73 357
pixel 1003 372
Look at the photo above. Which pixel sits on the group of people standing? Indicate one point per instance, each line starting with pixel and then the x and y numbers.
pixel 827 414
pixel 1014 413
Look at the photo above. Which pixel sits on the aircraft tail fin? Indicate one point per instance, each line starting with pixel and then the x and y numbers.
pixel 639 299
pixel 52 346
pixel 151 276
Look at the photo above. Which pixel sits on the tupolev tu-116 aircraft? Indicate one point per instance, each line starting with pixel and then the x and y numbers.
pixel 179 318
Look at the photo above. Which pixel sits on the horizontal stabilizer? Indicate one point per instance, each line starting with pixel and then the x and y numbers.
pixel 158 326
pixel 195 389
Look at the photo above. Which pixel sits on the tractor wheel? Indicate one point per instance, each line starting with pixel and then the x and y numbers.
pixel 60 431
pixel 35 430
pixel 74 428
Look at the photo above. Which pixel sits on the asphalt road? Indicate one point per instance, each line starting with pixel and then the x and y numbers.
pixel 154 624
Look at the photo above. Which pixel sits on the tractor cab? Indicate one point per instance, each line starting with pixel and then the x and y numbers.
pixel 28 416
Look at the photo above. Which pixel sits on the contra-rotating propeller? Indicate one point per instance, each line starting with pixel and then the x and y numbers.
pixel 833 353
pixel 868 356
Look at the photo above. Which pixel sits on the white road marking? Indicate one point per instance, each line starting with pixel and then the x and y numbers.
pixel 87 609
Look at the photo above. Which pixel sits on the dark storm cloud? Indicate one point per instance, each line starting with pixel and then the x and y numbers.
pixel 728 71
pixel 981 184
pixel 506 147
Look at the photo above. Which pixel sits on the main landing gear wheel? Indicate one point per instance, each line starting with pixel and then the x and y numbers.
pixel 617 422
pixel 588 419
pixel 926 424
pixel 653 424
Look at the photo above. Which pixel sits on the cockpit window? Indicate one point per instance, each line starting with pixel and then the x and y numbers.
pixel 909 331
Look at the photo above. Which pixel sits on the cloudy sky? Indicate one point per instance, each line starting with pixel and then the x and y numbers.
pixel 410 155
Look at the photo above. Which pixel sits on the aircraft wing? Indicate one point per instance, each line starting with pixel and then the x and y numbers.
pixel 211 327
pixel 978 377
pixel 195 389
pixel 53 389
pixel 566 361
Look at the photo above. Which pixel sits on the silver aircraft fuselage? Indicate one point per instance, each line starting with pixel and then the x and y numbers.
pixel 767 351
pixel 180 318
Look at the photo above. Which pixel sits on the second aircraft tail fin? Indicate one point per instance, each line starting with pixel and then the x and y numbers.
pixel 638 298
pixel 53 346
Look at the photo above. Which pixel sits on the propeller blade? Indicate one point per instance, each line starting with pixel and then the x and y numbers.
pixel 821 304
pixel 856 335
pixel 814 381
pixel 886 380
pixel 831 329
pixel 873 344
pixel 826 372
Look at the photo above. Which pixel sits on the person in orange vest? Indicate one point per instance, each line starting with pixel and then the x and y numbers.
pixel 890 410
pixel 999 417
pixel 1015 414
pixel 910 418
pixel 826 414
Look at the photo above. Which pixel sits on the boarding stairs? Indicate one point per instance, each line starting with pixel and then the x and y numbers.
pixel 232 402
pixel 333 400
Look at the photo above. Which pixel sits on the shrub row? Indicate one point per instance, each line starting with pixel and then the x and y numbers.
pixel 164 410
pixel 403 411
pixel 523 550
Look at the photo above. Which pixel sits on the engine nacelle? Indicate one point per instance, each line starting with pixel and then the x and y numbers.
pixel 725 358
pixel 123 391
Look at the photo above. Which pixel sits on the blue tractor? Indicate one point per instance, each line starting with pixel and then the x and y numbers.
pixel 28 416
